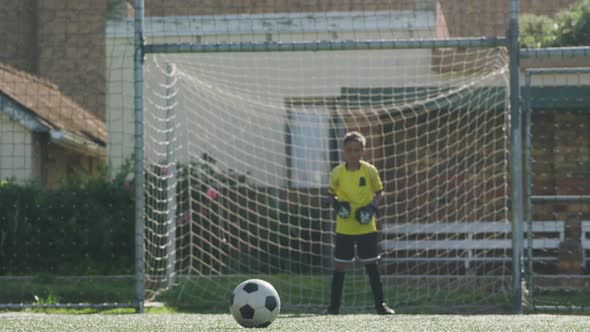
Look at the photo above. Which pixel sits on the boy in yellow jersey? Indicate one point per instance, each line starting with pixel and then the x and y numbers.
pixel 355 191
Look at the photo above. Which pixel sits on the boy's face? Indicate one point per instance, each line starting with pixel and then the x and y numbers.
pixel 353 152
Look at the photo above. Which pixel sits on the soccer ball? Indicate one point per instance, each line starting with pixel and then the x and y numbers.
pixel 255 303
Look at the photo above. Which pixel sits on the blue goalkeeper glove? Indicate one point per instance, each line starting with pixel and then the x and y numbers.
pixel 341 208
pixel 365 214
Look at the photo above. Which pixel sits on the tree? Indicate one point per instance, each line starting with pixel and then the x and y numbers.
pixel 537 31
pixel 573 25
pixel 570 27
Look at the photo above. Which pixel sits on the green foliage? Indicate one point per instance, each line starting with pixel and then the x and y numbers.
pixel 51 290
pixel 83 227
pixel 570 27
pixel 573 25
pixel 50 299
pixel 269 237
pixel 536 31
pixel 247 229
pixel 86 226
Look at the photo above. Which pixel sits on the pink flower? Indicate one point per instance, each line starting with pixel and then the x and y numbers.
pixel 212 193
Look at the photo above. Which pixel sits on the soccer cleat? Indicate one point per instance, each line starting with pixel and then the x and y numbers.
pixel 384 309
pixel 331 311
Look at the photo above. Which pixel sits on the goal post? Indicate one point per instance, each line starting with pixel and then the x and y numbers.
pixel 169 150
pixel 259 127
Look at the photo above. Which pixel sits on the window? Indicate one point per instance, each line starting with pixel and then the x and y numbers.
pixel 311 142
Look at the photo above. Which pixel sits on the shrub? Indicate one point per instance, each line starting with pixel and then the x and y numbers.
pixel 83 227
pixel 570 27
pixel 536 31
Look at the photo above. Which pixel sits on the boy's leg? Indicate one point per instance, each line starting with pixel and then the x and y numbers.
pixel 343 257
pixel 336 296
pixel 375 281
pixel 381 307
pixel 368 253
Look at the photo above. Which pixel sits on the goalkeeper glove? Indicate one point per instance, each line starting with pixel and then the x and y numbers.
pixel 341 208
pixel 365 214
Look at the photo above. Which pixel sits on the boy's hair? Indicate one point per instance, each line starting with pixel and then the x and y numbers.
pixel 355 136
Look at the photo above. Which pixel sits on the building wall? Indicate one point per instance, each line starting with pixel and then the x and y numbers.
pixel 62 164
pixel 246 132
pixel 69 40
pixel 72 49
pixel 62 41
pixel 18 34
pixel 26 157
pixel 214 7
pixel 16 151
pixel 120 117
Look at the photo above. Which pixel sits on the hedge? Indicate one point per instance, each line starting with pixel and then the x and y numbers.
pixel 84 227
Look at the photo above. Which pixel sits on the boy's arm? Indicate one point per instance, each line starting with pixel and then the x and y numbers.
pixel 377 199
pixel 330 200
pixel 377 186
pixel 375 203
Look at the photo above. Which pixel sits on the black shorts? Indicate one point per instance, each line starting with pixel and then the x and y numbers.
pixel 366 248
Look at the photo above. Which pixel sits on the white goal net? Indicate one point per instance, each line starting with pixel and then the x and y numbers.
pixel 239 147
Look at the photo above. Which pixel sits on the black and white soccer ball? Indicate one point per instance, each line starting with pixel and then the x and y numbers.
pixel 255 303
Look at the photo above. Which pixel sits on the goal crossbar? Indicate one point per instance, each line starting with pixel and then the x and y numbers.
pixel 334 45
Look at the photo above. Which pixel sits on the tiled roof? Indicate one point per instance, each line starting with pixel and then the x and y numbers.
pixel 50 105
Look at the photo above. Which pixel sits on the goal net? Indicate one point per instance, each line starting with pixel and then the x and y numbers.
pixel 239 146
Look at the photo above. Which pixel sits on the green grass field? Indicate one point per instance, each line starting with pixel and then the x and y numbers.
pixel 201 305
pixel 13 321
pixel 211 295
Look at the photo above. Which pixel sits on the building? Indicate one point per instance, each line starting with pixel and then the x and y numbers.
pixel 44 135
pixel 67 42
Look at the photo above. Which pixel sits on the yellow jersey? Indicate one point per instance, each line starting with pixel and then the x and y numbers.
pixel 358 188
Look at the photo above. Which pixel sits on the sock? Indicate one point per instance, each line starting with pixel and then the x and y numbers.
pixel 375 281
pixel 337 285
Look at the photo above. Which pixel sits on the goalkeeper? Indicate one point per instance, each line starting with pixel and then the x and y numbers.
pixel 355 191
